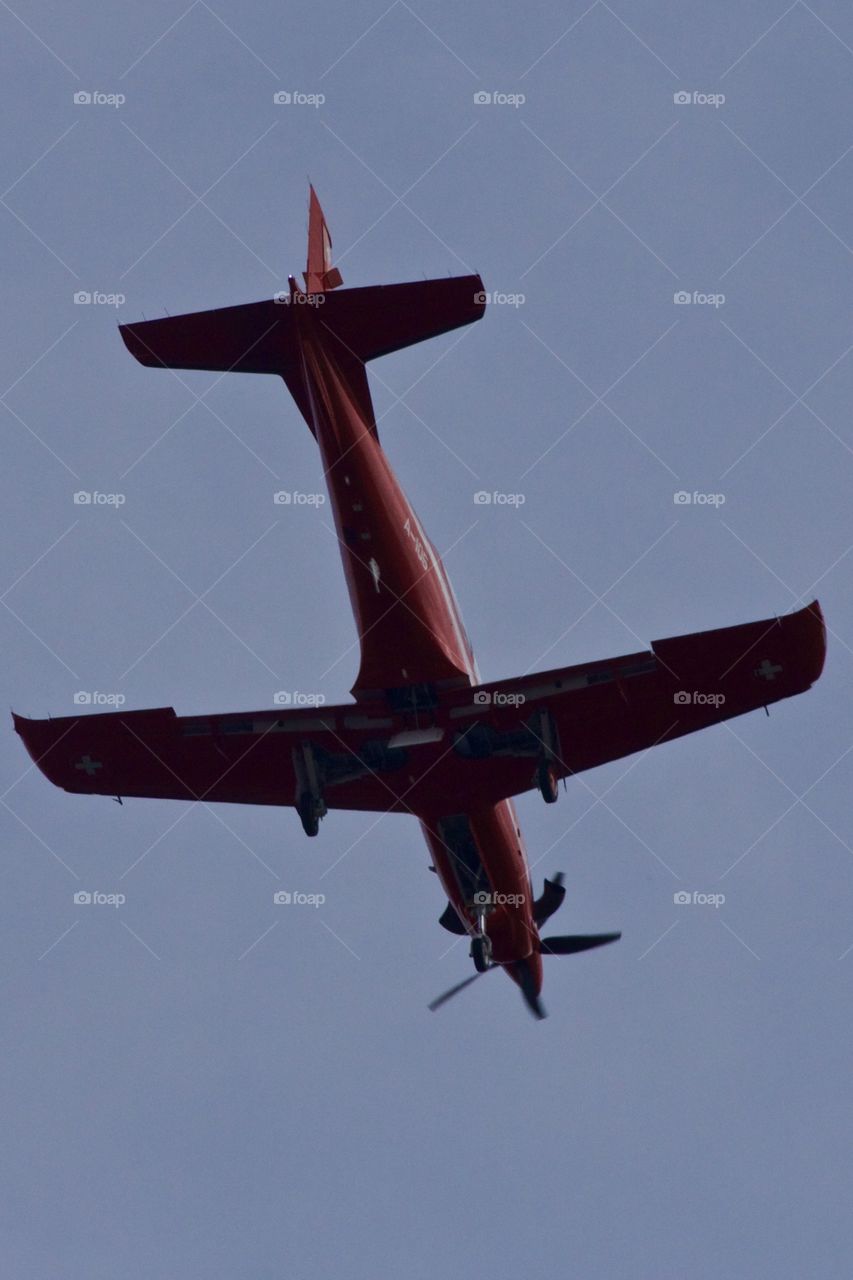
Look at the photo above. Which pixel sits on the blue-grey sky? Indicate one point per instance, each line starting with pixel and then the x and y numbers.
pixel 201 1083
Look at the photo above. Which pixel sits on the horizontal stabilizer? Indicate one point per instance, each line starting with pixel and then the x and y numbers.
pixel 381 318
pixel 265 337
pixel 248 339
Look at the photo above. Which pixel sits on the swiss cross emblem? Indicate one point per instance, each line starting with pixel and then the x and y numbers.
pixel 768 670
pixel 89 765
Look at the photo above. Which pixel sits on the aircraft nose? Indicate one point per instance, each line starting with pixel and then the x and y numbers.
pixel 512 936
pixel 527 972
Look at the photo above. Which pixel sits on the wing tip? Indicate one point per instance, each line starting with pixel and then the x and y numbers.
pixel 135 345
pixel 811 638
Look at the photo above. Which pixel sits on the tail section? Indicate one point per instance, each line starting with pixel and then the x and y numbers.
pixel 259 337
pixel 265 337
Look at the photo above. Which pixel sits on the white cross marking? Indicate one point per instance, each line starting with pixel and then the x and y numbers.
pixel 768 670
pixel 91 766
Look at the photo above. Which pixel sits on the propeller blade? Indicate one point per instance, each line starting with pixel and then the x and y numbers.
pixel 568 944
pixel 448 995
pixel 528 990
pixel 550 900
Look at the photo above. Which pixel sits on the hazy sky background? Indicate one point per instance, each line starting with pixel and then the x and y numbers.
pixel 200 1083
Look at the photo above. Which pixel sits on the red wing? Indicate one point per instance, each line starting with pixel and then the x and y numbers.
pixel 243 759
pixel 605 710
pixel 476 746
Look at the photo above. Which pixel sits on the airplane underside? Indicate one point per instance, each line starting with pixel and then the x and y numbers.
pixel 423 735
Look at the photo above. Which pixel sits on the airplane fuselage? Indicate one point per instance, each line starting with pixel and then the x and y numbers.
pixel 412 637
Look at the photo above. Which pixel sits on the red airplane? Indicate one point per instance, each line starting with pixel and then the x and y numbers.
pixel 423 734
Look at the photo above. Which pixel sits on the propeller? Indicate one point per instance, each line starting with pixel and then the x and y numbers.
pixel 528 990
pixel 460 986
pixel 550 900
pixel 568 944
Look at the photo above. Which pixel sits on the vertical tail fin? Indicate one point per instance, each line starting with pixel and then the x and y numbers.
pixel 320 275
